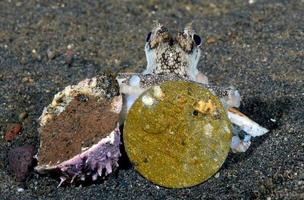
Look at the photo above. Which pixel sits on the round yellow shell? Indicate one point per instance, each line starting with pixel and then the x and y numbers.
pixel 177 134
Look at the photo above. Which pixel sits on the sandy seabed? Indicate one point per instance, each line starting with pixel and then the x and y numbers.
pixel 258 47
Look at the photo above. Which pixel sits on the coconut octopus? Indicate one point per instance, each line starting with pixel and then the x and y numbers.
pixel 79 130
pixel 176 58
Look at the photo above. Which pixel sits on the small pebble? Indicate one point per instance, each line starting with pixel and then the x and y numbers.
pixel 23 60
pixel 13 130
pixel 211 40
pixel 20 190
pixel 27 79
pixel 70 46
pixel 50 54
pixel 217 175
pixel 69 57
pixel 36 55
pixel 20 161
pixel 22 116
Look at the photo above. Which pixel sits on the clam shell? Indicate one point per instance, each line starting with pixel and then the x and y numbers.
pixel 177 134
pixel 79 134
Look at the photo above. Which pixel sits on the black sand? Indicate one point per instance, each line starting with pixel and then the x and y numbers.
pixel 257 47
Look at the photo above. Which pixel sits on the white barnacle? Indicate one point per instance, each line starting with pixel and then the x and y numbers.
pixel 147 100
pixel 208 129
pixel 158 93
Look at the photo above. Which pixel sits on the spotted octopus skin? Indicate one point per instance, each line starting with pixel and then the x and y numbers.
pixel 98 160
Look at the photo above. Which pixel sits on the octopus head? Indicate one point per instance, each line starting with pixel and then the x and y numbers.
pixel 168 54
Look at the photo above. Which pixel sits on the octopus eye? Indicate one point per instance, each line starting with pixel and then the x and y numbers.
pixel 197 39
pixel 148 36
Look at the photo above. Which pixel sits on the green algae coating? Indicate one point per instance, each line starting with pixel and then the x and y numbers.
pixel 171 142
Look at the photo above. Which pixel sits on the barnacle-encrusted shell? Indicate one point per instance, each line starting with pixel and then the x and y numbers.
pixel 79 135
pixel 177 134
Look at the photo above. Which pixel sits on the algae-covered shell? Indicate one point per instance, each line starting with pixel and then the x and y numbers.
pixel 177 134
pixel 79 134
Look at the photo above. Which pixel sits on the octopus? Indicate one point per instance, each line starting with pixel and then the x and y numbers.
pixel 171 94
pixel 176 58
pixel 166 143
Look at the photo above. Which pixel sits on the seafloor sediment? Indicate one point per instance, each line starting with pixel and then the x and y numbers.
pixel 257 47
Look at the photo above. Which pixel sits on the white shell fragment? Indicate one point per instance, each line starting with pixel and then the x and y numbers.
pixel 245 123
pixel 147 100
